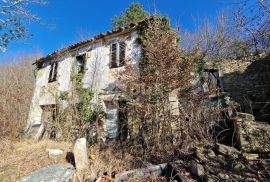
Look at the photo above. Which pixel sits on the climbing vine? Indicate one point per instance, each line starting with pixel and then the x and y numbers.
pixel 77 117
pixel 85 111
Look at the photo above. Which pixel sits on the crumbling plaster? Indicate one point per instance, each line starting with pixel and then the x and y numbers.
pixel 97 75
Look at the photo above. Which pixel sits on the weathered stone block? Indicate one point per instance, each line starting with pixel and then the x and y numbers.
pixel 250 156
pixel 245 116
pixel 81 154
pixel 51 173
pixel 55 154
pixel 197 169
pixel 226 150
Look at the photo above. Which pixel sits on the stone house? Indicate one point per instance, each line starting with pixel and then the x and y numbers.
pixel 101 58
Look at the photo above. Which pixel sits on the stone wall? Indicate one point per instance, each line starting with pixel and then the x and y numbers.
pixel 251 136
pixel 248 83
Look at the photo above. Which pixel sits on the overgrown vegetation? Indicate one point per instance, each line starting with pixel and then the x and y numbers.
pixel 166 72
pixel 78 117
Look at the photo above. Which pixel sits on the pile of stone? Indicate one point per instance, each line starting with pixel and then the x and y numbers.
pixel 211 163
pixel 221 163
pixel 252 137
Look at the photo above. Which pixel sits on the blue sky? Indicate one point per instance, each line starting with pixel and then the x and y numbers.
pixel 67 21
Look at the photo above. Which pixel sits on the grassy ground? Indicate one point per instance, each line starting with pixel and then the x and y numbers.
pixel 18 159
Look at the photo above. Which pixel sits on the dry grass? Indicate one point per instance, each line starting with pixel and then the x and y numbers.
pixel 18 159
pixel 109 159
pixel 21 158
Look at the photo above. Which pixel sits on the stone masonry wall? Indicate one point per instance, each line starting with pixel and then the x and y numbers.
pixel 251 136
pixel 248 83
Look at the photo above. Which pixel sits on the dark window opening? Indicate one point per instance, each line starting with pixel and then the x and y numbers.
pixel 211 79
pixel 122 121
pixel 81 63
pixel 117 54
pixel 113 56
pixel 53 72
pixel 49 116
pixel 122 53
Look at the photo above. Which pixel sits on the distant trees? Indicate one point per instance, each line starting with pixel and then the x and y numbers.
pixel 212 39
pixel 134 13
pixel 244 32
pixel 13 17
pixel 16 90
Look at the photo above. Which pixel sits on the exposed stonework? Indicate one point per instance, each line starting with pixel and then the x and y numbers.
pixel 98 76
pixel 252 137
pixel 248 82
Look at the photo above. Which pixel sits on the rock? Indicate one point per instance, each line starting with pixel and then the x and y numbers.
pixel 253 137
pixel 238 166
pixel 210 169
pixel 226 150
pixel 51 173
pixel 244 117
pixel 223 176
pixel 210 178
pixel 211 153
pixel 250 156
pixel 251 179
pixel 237 177
pixel 81 155
pixel 200 154
pixel 221 159
pixel 142 173
pixel 55 154
pixel 93 157
pixel 197 169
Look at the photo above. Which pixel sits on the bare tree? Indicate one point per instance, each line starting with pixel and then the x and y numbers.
pixel 213 39
pixel 14 16
pixel 253 22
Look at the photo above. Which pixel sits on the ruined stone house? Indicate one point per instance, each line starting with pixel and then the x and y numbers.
pixel 102 58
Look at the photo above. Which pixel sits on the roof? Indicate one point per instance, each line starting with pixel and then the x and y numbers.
pixel 56 53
